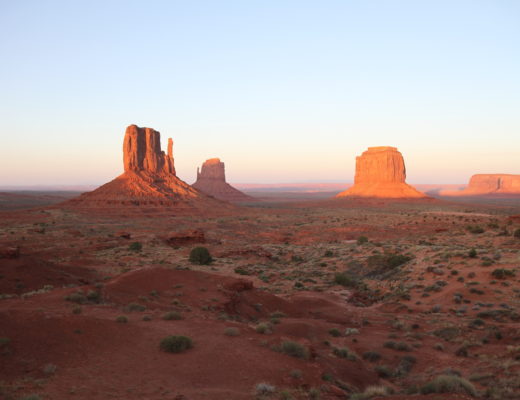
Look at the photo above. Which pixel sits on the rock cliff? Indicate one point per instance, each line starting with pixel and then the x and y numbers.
pixel 380 172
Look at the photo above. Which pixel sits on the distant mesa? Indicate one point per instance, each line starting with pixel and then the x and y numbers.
pixel 380 172
pixel 489 184
pixel 211 179
pixel 148 180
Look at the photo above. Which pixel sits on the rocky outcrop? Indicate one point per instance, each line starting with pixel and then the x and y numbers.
pixel 380 172
pixel 211 179
pixel 489 184
pixel 148 181
pixel 184 238
pixel 142 151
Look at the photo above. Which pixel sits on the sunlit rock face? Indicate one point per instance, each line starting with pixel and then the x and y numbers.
pixel 142 151
pixel 148 180
pixel 489 184
pixel 380 172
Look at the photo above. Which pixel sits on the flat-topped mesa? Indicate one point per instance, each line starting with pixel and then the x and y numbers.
pixel 142 151
pixel 212 169
pixel 380 172
pixel 489 184
pixel 383 164
pixel 211 179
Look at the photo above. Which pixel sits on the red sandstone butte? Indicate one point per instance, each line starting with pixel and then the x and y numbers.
pixel 211 179
pixel 489 184
pixel 380 172
pixel 148 180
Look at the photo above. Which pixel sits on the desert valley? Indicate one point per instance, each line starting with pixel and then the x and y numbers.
pixel 149 288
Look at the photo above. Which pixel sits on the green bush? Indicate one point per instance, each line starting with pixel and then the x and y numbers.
pixel 472 253
pixel 345 352
pixel 475 229
pixel 122 319
pixel 362 240
pixel 294 349
pixel 501 273
pixel 135 246
pixel 517 233
pixel 449 384
pixel 200 255
pixel 334 332
pixel 345 279
pixel 172 315
pixel 371 356
pixel 175 344
pixel 232 331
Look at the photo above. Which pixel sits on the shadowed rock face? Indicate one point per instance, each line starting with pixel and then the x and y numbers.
pixel 212 169
pixel 380 172
pixel 142 151
pixel 489 184
pixel 211 179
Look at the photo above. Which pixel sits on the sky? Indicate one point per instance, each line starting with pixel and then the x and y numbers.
pixel 281 91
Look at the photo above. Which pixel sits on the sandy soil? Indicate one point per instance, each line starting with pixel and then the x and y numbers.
pixel 409 303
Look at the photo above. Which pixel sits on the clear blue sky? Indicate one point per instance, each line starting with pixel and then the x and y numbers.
pixel 281 91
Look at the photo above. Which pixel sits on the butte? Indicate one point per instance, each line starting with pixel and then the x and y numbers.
pixel 489 185
pixel 211 179
pixel 148 181
pixel 381 173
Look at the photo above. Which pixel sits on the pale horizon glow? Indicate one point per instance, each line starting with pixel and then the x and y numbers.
pixel 281 92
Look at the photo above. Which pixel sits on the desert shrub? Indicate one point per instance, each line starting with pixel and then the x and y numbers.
pixel 401 346
pixel 449 384
pixel 76 297
pixel 447 333
pixel 362 240
pixel 370 392
pixel 241 271
pixel 334 332
pixel 172 315
pixel 351 331
pixel 476 229
pixel 263 328
pixel 77 310
pixel 296 374
pixel 232 331
pixel 31 397
pixel 502 273
pixel 328 253
pixel 345 352
pixel 405 366
pixel 380 263
pixel 4 341
pixel 175 344
pixel 278 314
pixel 135 307
pixel 264 389
pixel 472 253
pixel 383 371
pixel 347 280
pixel 200 255
pixel 517 233
pixel 135 246
pixel 122 319
pixel 294 349
pixel 49 369
pixel 371 356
